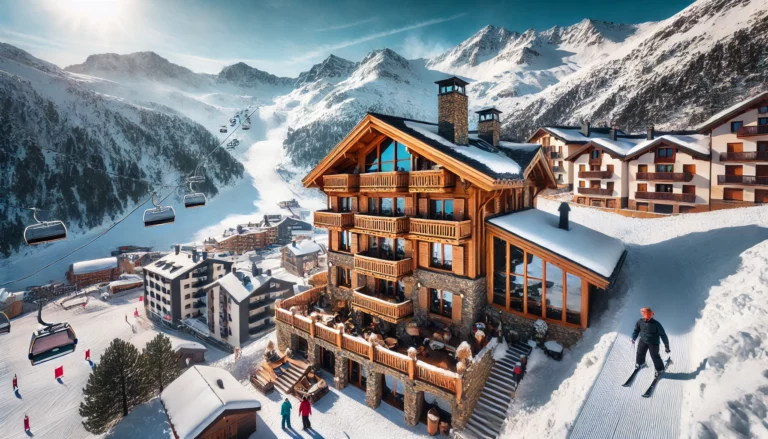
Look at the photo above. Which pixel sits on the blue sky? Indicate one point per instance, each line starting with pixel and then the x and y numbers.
pixel 285 37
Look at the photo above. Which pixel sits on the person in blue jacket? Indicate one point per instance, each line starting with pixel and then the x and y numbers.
pixel 285 411
pixel 651 333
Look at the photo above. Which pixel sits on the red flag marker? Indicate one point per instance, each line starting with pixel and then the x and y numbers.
pixel 59 372
pixel 141 298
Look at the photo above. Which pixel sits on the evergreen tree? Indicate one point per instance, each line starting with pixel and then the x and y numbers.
pixel 116 385
pixel 162 365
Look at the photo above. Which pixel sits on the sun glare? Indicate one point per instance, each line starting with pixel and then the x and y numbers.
pixel 98 16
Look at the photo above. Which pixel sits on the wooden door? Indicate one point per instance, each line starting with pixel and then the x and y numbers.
pixel 689 168
pixel 734 170
pixel 642 207
pixel 642 168
pixel 761 170
pixel 594 184
pixel 642 187
pixel 735 147
pixel 761 195
pixel 733 194
pixel 689 189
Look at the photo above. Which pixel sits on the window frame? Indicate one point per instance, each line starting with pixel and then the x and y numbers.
pixel 441 265
pixel 737 124
pixel 441 202
pixel 441 295
pixel 346 274
pixel 378 162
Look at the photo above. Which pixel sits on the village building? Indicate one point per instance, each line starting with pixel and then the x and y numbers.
pixel 241 305
pixel 559 142
pixel 126 282
pixel 286 228
pixel 85 273
pixel 301 257
pixel 209 403
pixel 173 284
pixel 242 239
pixel 415 210
pixel 11 304
pixel 739 142
pixel 190 353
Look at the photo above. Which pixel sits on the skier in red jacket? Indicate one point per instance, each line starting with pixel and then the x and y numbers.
pixel 26 423
pixel 305 409
pixel 15 383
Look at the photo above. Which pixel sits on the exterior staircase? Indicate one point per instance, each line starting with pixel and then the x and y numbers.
pixel 491 410
pixel 289 378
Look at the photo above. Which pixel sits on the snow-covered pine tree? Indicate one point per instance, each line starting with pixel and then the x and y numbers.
pixel 161 362
pixel 116 385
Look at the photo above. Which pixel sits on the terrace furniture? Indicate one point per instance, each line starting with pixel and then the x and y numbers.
pixel 391 342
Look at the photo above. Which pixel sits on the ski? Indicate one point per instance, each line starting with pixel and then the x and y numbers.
pixel 631 378
pixel 656 380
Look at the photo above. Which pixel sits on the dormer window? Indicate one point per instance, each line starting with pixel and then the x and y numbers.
pixel 595 154
pixel 387 157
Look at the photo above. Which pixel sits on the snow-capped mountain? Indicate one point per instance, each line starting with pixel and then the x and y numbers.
pixel 245 76
pixel 47 110
pixel 331 68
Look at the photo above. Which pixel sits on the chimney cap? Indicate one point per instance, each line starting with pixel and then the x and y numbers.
pixel 452 80
pixel 488 110
pixel 564 207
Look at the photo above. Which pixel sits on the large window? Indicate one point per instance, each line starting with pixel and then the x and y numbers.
pixel 387 157
pixel 345 204
pixel 441 210
pixel 441 302
pixel 344 277
pixel 665 153
pixel 664 168
pixel 762 120
pixel 735 125
pixel 441 256
pixel 595 154
pixel 345 240
pixel 386 248
pixel 391 289
pixel 386 206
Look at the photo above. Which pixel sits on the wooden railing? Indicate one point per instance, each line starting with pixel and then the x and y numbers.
pixel 301 322
pixel 441 229
pixel 284 315
pixel 753 130
pixel 595 174
pixel 328 334
pixel 666 196
pixel 305 298
pixel 325 219
pixel 319 279
pixel 658 159
pixel 356 345
pixel 665 176
pixel 394 311
pixel 558 169
pixel 392 359
pixel 384 181
pixel 430 181
pixel 749 180
pixel 383 224
pixel 595 191
pixel 383 268
pixel 341 183
pixel 439 377
pixel 748 156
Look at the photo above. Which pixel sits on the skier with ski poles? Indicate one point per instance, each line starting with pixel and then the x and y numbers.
pixel 650 331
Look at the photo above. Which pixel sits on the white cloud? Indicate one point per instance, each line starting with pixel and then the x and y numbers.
pixel 347 25
pixel 414 47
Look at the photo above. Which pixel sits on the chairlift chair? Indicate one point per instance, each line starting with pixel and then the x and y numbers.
pixel 44 231
pixel 223 129
pixel 53 340
pixel 5 323
pixel 158 215
pixel 194 199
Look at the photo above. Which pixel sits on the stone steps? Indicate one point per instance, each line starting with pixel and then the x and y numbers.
pixel 489 415
pixel 289 378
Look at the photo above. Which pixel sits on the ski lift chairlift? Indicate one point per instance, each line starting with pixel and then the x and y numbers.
pixel 53 340
pixel 158 215
pixel 223 129
pixel 194 199
pixel 44 231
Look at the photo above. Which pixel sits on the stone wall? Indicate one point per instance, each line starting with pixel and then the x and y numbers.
pixel 517 328
pixel 489 130
pixel 473 303
pixel 453 118
pixel 474 381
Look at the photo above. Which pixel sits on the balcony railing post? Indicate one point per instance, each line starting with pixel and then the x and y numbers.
pixel 459 386
pixel 313 321
pixel 371 347
pixel 293 318
pixel 340 335
pixel 412 369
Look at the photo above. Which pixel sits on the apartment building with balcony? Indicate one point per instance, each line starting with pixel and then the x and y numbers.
pixel 739 141
pixel 241 239
pixel 173 285
pixel 669 173
pixel 241 305
pixel 410 206
pixel 559 142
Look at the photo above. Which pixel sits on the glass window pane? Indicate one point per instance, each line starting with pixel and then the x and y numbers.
pixel 434 301
pixel 399 206
pixel 387 208
pixel 449 88
pixel 373 206
pixel 534 297
pixel 402 152
pixel 573 299
pixel 535 266
pixel 448 210
pixel 554 292
pixel 388 151
pixel 400 291
pixel 447 303
pixel 436 255
pixel 400 249
pixel 436 207
pixel 404 165
pixel 499 271
pixel 516 258
pixel 371 162
pixel 387 166
pixel 447 257
pixel 516 291
pixel 387 248
pixel 373 244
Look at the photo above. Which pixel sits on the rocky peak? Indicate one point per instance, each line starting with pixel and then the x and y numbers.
pixel 243 75
pixel 331 68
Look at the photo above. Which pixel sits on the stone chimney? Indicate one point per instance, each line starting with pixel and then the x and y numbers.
pixel 614 132
pixel 452 110
pixel 488 125
pixel 564 209
pixel 585 128
pixel 650 132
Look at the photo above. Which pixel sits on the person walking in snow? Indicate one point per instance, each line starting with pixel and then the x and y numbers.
pixel 26 423
pixel 517 371
pixel 650 331
pixel 285 412
pixel 305 409
pixel 15 383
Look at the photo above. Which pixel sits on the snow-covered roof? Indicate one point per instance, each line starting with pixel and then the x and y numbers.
pixel 303 247
pixel 231 233
pixel 619 147
pixel 497 162
pixel 172 265
pixel 697 143
pixel 190 345
pixel 574 135
pixel 516 146
pixel 200 395
pixel 587 247
pixel 126 279
pixel 234 287
pixel 94 265
pixel 732 111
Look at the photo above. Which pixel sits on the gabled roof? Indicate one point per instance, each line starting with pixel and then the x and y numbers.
pixel 573 135
pixel 618 148
pixel 697 145
pixel 480 163
pixel 731 112
pixel 303 247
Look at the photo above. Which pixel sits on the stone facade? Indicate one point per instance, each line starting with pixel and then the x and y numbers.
pixel 472 305
pixel 489 130
pixel 414 404
pixel 474 381
pixel 517 328
pixel 373 386
pixel 453 118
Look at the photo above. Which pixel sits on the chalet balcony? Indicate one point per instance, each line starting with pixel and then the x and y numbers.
pixel 199 304
pixel 555 155
pixel 438 180
pixel 753 130
pixel 666 196
pixel 382 224
pixel 595 174
pixel 746 180
pixel 341 183
pixel 595 191
pixel 260 316
pixel 668 160
pixel 382 268
pixel 385 308
pixel 665 176
pixel 558 169
pixel 441 230
pixel 334 220
pixel 384 181
pixel 750 156
pixel 199 294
